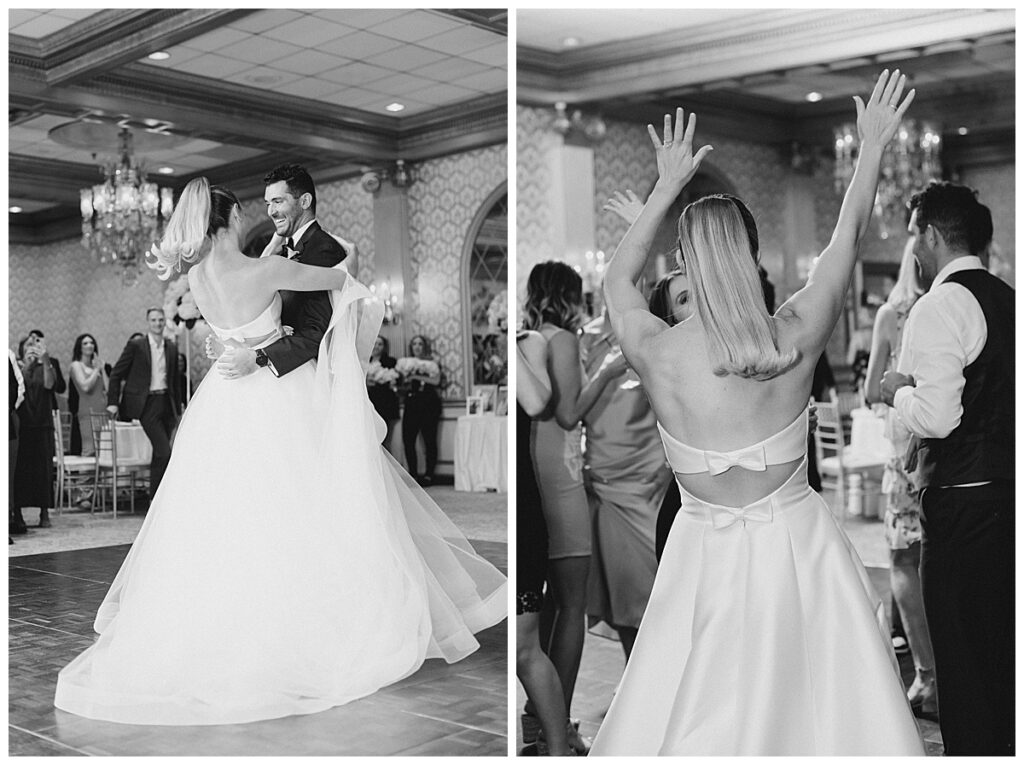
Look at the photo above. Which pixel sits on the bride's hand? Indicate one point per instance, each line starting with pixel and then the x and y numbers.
pixel 878 120
pixel 627 206
pixel 677 163
pixel 273 246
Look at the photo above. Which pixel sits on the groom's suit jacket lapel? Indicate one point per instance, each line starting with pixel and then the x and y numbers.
pixel 299 245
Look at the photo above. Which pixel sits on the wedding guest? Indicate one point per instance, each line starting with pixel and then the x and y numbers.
pixel 903 506
pixel 627 478
pixel 15 395
pixel 422 412
pixel 33 475
pixel 544 731
pixel 554 308
pixel 89 384
pixel 148 371
pixel 382 393
pixel 954 390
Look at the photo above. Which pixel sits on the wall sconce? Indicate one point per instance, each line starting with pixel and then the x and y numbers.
pixel 594 128
pixel 391 300
pixel 399 175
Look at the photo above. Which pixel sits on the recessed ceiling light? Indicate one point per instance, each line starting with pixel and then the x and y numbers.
pixel 814 96
pixel 395 107
pixel 14 209
pixel 570 42
pixel 962 130
pixel 159 55
pixel 165 170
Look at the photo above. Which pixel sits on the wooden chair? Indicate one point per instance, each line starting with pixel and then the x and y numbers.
pixel 828 449
pixel 73 471
pixel 112 471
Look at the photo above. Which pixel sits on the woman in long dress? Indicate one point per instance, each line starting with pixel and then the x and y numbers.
pixel 286 565
pixel 763 635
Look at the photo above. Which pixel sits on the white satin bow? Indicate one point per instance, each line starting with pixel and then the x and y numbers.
pixel 751 458
pixel 723 517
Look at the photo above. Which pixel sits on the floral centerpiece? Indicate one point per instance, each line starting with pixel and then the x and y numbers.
pixel 497 312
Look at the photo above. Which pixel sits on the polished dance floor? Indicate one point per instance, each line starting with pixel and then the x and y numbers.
pixel 450 710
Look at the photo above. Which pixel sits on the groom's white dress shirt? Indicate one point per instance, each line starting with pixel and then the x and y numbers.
pixel 945 332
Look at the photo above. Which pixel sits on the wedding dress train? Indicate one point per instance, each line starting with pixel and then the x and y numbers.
pixel 287 564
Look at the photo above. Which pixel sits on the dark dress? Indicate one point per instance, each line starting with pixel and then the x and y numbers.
pixel 33 475
pixel 422 415
pixel 531 530
pixel 383 397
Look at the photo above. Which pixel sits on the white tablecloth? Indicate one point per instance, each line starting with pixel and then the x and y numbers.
pixel 481 453
pixel 132 443
pixel 868 445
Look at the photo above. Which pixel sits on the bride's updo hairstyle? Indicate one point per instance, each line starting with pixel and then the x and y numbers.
pixel 719 245
pixel 202 211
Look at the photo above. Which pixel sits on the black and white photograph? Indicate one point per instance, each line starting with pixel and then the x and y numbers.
pixel 765 382
pixel 258 262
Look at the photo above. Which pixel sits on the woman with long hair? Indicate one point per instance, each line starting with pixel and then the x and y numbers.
pixel 763 634
pixel 422 406
pixel 554 308
pixel 89 380
pixel 221 613
pixel 903 531
pixel 381 391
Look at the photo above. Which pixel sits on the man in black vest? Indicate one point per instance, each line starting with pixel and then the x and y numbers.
pixel 955 391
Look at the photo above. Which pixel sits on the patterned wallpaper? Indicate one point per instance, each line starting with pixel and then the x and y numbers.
pixel 996 189
pixel 443 202
pixel 61 290
pixel 533 179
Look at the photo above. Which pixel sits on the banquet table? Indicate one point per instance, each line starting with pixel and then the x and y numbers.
pixel 864 458
pixel 481 453
pixel 132 443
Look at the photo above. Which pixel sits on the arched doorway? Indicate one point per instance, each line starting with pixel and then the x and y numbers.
pixel 485 293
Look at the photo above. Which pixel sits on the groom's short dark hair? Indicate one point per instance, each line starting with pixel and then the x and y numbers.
pixel 298 180
pixel 955 212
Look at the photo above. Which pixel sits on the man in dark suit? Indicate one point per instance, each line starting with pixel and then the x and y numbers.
pixel 148 370
pixel 954 389
pixel 291 204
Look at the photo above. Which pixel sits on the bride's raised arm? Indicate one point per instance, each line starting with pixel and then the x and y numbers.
pixel 817 306
pixel 627 307
pixel 284 274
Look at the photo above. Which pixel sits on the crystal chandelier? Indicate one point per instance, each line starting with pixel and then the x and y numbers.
pixel 124 215
pixel 909 163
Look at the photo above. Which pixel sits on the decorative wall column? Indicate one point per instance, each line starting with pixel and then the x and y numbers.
pixel 393 260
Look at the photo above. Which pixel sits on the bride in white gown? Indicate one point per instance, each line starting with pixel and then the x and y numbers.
pixel 287 564
pixel 763 635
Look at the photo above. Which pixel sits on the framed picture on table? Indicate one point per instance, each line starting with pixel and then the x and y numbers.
pixel 501 401
pixel 489 394
pixel 474 406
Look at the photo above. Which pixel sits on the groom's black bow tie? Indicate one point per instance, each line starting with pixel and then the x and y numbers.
pixel 289 247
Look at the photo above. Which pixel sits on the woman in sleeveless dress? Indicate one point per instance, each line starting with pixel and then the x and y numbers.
pixel 286 564
pixel 903 504
pixel 89 379
pixel 763 635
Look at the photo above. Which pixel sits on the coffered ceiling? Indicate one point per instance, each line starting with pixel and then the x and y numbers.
pixel 240 91
pixel 748 73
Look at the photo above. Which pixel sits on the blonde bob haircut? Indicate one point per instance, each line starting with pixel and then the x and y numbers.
pixel 718 244
pixel 202 211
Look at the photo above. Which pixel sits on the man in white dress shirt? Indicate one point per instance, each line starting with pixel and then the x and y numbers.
pixel 148 367
pixel 954 389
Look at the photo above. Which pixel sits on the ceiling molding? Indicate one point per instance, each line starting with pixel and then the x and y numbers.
pixel 85 50
pixel 491 20
pixel 767 41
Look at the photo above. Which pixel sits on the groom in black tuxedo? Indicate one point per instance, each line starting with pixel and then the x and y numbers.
pixel 291 204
